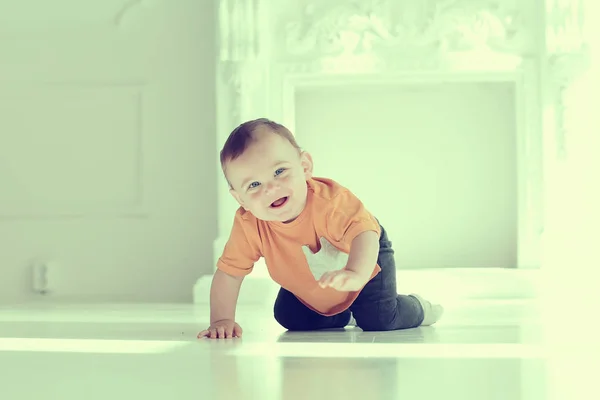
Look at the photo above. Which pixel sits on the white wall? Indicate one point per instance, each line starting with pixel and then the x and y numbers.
pixel 107 147
pixel 436 165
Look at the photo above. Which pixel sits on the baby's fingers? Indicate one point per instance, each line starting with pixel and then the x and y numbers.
pixel 325 279
pixel 237 331
pixel 209 333
pixel 338 281
pixel 220 331
pixel 203 333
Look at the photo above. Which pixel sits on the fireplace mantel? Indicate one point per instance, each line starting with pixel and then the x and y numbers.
pixel 269 51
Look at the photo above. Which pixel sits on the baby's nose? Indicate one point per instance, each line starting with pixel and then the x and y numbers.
pixel 271 187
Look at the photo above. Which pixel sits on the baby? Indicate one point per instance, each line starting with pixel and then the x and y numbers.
pixel 330 255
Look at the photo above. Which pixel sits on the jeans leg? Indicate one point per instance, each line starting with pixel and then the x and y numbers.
pixel 379 307
pixel 295 316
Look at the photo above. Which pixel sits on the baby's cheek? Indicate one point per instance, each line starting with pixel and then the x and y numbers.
pixel 256 197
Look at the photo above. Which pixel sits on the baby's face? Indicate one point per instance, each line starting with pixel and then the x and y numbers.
pixel 269 179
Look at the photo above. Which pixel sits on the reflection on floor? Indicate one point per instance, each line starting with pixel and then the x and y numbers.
pixel 478 351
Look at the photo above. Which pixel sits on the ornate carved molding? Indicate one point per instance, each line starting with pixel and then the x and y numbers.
pixel 409 28
pixel 564 26
pixel 238 30
pixel 241 78
pixel 240 52
pixel 567 58
pixel 564 70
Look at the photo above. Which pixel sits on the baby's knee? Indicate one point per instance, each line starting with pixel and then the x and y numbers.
pixel 287 321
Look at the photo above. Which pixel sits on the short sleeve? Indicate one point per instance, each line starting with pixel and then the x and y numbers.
pixel 348 218
pixel 242 249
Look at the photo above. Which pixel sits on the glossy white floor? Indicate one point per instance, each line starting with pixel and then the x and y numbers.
pixel 478 351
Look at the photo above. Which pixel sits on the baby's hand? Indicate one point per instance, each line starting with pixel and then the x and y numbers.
pixel 223 329
pixel 343 280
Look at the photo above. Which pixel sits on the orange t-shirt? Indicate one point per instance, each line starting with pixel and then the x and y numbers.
pixel 299 252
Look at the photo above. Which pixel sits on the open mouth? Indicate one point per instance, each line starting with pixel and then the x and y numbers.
pixel 279 202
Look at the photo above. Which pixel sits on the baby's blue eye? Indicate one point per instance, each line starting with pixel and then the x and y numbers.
pixel 252 185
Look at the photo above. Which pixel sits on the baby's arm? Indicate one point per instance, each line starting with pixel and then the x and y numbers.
pixel 362 260
pixel 240 253
pixel 224 292
pixel 364 251
pixel 349 222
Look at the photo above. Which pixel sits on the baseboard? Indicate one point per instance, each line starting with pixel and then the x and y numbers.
pixel 448 284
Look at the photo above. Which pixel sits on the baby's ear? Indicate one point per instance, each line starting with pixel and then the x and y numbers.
pixel 307 164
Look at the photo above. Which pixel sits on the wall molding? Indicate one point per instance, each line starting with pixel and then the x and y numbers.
pixel 399 30
pixel 40 209
pixel 566 58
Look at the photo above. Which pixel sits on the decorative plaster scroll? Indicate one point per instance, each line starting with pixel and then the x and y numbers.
pixel 232 79
pixel 564 70
pixel 564 26
pixel 240 54
pixel 367 26
pixel 568 57
pixel 240 79
pixel 238 30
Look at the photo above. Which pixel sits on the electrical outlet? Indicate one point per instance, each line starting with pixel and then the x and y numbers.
pixel 40 277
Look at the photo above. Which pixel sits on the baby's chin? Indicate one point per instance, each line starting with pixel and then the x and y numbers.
pixel 285 219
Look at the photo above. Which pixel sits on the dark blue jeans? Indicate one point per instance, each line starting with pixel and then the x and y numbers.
pixel 378 307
